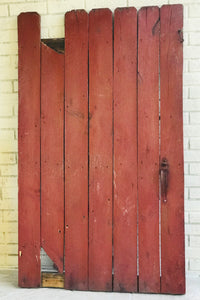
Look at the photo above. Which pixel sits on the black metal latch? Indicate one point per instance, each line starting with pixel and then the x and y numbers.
pixel 164 171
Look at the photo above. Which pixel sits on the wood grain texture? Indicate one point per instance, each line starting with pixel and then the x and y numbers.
pixel 76 150
pixel 55 280
pixel 100 149
pixel 172 211
pixel 29 149
pixel 125 150
pixel 52 154
pixel 148 149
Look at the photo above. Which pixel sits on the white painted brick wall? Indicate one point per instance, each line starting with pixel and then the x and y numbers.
pixel 52 25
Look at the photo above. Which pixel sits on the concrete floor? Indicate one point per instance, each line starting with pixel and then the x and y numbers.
pixel 10 290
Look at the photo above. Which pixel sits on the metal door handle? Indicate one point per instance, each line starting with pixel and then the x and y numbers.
pixel 164 170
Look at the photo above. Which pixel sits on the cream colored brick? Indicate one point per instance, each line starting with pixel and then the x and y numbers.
pixel 44 33
pixel 195 217
pixel 15 86
pixel 10 215
pixel 3 260
pixel 195 169
pixel 191 130
pixel 12 260
pixel 192 25
pixel 8 249
pixel 6 110
pixel 3 10
pixel 8 23
pixel 8 227
pixel 192 252
pixel 183 1
pixel 195 193
pixel 185 92
pixel 185 65
pixel 192 229
pixel 16 9
pixel 7 158
pixel 192 156
pixel 195 264
pixel 194 11
pixel 191 105
pixel 192 205
pixel 195 91
pixel 186 143
pixel 186 40
pixel 8 36
pixel 191 51
pixel 9 98
pixel 192 180
pixel 9 146
pixel 2 234
pixel 16 110
pixel 8 49
pixel 194 66
pixel 195 118
pixel 9 123
pixel 186 168
pixel 147 3
pixel 4 61
pixel 5 87
pixel 11 1
pixel 186 217
pixel 11 238
pixel 192 78
pixel 14 61
pixel 111 4
pixel 186 118
pixel 9 192
pixel 56 32
pixel 8 73
pixel 195 142
pixel 8 181
pixel 61 6
pixel 195 241
pixel 52 20
pixel 195 38
pixel 9 204
pixel 186 193
pixel 9 170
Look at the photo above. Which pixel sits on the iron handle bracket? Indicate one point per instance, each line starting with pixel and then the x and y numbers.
pixel 164 172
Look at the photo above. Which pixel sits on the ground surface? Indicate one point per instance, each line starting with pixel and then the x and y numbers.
pixel 10 290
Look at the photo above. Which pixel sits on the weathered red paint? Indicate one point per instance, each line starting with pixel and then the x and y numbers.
pixel 148 149
pixel 76 150
pixel 125 150
pixel 124 130
pixel 100 149
pixel 29 149
pixel 52 154
pixel 172 206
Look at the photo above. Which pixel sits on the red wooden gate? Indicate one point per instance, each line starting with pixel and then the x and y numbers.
pixel 101 185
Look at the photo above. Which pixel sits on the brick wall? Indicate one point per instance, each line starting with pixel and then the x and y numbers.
pixel 52 22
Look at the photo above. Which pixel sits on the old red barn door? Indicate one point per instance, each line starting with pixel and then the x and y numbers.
pixel 101 151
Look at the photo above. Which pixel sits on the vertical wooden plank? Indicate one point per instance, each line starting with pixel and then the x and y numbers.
pixel 148 149
pixel 76 150
pixel 52 154
pixel 100 150
pixel 125 150
pixel 172 206
pixel 29 149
